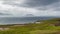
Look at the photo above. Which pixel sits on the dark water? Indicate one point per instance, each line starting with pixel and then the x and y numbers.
pixel 21 20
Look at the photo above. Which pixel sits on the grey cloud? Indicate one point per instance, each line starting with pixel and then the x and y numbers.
pixel 42 8
pixel 32 3
pixel 57 9
pixel 54 7
pixel 37 3
pixel 13 2
pixel 7 0
pixel 4 14
pixel 10 3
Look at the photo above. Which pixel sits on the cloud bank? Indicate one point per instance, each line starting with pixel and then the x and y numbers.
pixel 20 8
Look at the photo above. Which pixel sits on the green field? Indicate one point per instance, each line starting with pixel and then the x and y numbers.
pixel 51 26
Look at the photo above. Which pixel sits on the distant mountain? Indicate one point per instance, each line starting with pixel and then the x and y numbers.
pixel 29 15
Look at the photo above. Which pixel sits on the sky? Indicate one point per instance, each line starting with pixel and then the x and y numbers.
pixel 20 8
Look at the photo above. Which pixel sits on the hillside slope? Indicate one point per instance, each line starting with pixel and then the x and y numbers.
pixel 51 26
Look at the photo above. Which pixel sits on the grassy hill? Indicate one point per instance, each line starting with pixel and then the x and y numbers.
pixel 51 26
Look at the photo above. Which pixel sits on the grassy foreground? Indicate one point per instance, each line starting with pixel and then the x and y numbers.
pixel 51 26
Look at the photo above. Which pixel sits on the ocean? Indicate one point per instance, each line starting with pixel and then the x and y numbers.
pixel 21 20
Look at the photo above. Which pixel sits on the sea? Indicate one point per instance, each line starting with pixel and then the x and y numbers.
pixel 21 20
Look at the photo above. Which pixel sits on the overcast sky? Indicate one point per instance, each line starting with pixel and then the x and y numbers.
pixel 19 8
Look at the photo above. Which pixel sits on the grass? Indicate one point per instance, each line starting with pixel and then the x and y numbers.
pixel 43 32
pixel 46 27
